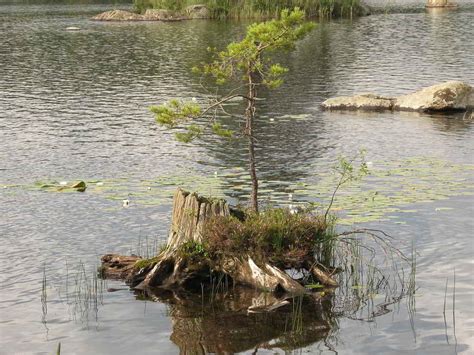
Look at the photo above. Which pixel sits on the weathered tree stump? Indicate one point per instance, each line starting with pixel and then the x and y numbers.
pixel 190 213
pixel 172 269
pixel 118 267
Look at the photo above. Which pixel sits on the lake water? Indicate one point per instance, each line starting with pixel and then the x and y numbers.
pixel 74 105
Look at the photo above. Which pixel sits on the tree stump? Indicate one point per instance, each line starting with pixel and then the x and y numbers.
pixel 172 269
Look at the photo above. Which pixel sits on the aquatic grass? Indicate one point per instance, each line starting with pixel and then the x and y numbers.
pixel 297 325
pixel 257 9
pixel 278 236
pixel 147 246
pixel 453 310
pixel 44 298
pixel 371 267
pixel 85 296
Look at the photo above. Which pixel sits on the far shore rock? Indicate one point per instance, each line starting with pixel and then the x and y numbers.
pixel 191 12
pixel 441 4
pixel 445 97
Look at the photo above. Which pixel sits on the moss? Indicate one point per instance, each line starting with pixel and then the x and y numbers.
pixel 146 263
pixel 193 250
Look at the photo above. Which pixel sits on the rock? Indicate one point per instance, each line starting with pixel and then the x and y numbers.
pixel 368 102
pixel 449 96
pixel 440 3
pixel 198 12
pixel 445 97
pixel 163 15
pixel 118 15
pixel 149 15
pixel 437 3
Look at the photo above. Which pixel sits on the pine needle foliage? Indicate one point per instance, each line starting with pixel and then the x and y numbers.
pixel 247 64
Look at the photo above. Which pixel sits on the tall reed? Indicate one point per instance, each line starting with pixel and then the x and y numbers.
pixel 257 8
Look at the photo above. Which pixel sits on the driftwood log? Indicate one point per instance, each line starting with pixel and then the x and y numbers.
pixel 171 270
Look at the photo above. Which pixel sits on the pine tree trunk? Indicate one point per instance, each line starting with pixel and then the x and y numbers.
pixel 249 115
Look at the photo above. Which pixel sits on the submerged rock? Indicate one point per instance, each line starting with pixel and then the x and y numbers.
pixel 448 96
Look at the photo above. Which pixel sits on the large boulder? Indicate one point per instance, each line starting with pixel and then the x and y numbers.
pixel 449 96
pixel 118 15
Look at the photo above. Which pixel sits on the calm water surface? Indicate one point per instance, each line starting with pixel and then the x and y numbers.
pixel 73 105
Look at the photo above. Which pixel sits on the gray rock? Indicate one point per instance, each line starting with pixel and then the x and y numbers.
pixel 118 15
pixel 365 102
pixel 449 96
pixel 149 15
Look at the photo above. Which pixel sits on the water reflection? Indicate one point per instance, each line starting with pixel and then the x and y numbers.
pixel 224 325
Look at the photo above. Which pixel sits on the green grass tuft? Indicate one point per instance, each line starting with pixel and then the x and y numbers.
pixel 277 236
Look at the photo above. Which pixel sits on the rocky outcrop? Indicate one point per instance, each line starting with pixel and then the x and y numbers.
pixel 369 102
pixel 445 97
pixel 118 15
pixel 449 96
pixel 191 12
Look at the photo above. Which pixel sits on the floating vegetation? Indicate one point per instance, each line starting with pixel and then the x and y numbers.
pixel 62 186
pixel 390 188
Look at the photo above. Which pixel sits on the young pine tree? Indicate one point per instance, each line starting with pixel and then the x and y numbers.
pixel 249 65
